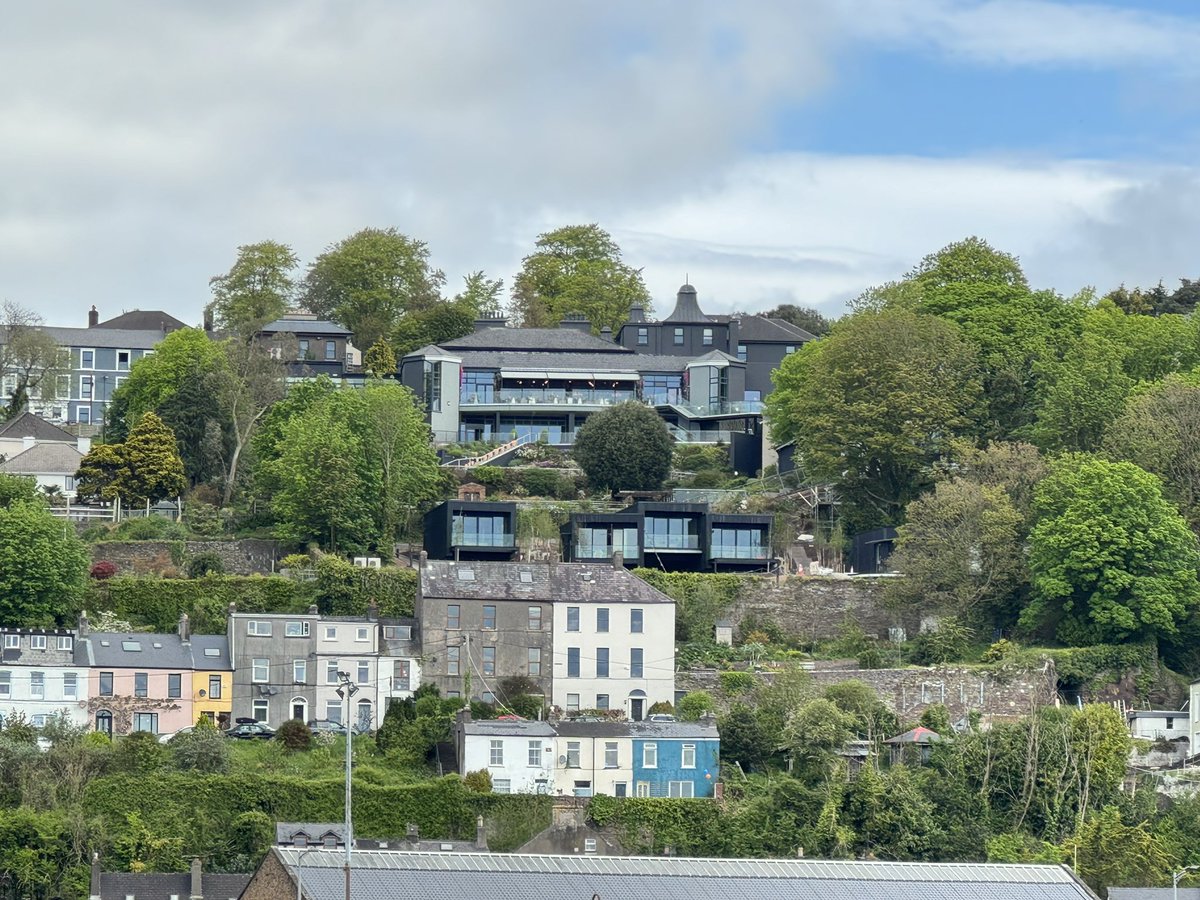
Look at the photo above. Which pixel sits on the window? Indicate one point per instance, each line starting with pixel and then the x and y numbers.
pixel 681 789
pixel 331 671
pixel 496 755
pixel 478 387
pixel 299 671
pixel 331 632
pixel 635 621
pixel 707 337
pixel 87 359
pixel 489 618
pixel 650 756
pixel 535 618
pixel 610 754
pixel 70 686
pixel 572 618
pixel 38 720
pixel 535 661
pixel 364 716
pixel 602 701
pixel 37 685
pixel 330 350
pixel 601 662
pixel 400 675
pixel 643 336
pixel 362 633
pixel 333 710
pixel 741 352
pixel 106 684
pixel 501 785
pixel 104 722
pixel 5 684
pixel 12 641
pixel 214 687
pixel 258 629
pixel 753 396
pixel 489 660
pixel 141 684
pixel 302 350
pixel 433 386
pixel 635 663
pixel 296 629
pixel 572 754
pixel 572 662
pixel 364 672
pixel 489 698
pixel 143 721
pixel 621 789
pixel 330 842
pixel 535 753
pixel 174 686
pixel 452 661
pixel 573 702
pixel 65 642
pixel 678 337
pixel 453 616
pixel 37 642
pixel 789 349
pixel 1170 723
pixel 602 620
pixel 261 709
pixel 397 632
pixel 86 383
pixel 689 756
pixel 123 360
pixel 260 671
pixel 84 415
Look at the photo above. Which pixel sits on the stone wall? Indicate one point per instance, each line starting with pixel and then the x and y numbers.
pixel 811 609
pixel 243 557
pixel 909 692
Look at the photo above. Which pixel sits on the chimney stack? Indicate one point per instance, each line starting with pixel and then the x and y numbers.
pixel 423 558
pixel 312 609
pixel 83 630
pixel 637 313
pixel 606 333
pixel 618 560
pixel 94 893
pixel 197 880
pixel 28 442
pixel 372 611
pixel 93 317
pixel 480 834
pixel 185 628
pixel 413 835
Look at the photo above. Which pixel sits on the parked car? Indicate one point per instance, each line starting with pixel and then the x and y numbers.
pixel 326 726
pixel 250 729
pixel 166 738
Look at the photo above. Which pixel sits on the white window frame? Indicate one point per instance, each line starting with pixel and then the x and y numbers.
pixel 572 703
pixel 688 756
pixel 650 755
pixel 495 752
pixel 612 750
pixel 260 670
pixel 681 790
pixel 82 364
pixel 501 785
pixel 37 642
pixel 299 671
pixel 642 789
pixel 296 629
pixel 574 750
pixel 362 633
pixel 258 628
pixel 70 685
pixel 66 642
pixel 364 672
pixel 5 684
pixel 12 642
pixel 331 632
pixel 261 710
pixel 38 679
pixel 332 667
pixel 534 751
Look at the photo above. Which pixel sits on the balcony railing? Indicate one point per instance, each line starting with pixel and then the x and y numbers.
pixel 545 397
pixel 496 539
pixel 605 551
pixel 672 541
pixel 733 551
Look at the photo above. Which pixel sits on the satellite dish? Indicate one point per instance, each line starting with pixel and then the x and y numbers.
pixel 562 760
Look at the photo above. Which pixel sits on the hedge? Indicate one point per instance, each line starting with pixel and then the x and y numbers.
pixel 701 598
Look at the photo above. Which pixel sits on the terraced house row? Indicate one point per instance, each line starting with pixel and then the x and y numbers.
pixel 589 636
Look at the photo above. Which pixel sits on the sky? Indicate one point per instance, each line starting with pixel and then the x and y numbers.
pixel 768 151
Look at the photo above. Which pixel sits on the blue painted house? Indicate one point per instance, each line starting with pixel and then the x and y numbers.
pixel 675 759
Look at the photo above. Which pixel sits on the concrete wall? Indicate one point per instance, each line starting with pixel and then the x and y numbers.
pixel 909 692
pixel 244 557
pixel 816 608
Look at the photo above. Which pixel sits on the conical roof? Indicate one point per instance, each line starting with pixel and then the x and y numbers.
pixel 686 308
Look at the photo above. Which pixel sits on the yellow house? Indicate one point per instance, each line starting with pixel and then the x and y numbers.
pixel 212 679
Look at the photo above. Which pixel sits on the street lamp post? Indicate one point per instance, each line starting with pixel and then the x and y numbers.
pixel 346 690
pixel 300 872
pixel 1177 877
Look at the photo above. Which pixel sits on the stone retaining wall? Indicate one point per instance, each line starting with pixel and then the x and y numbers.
pixel 250 556
pixel 812 609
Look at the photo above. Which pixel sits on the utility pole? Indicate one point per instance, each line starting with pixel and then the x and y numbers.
pixel 346 690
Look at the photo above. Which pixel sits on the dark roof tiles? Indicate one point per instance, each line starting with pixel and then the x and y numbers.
pixel 543 582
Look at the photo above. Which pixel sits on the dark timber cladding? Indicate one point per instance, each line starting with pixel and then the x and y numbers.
pixel 471 529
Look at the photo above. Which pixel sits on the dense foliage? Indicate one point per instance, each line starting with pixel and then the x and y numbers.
pixel 624 448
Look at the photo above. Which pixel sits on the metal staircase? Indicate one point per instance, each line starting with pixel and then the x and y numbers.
pixel 493 455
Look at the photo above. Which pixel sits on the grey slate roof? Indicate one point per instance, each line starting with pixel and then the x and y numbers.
pixel 144 320
pixel 314 831
pixel 687 309
pixel 118 338
pixel 27 425
pixel 1143 893
pixel 534 339
pixel 44 459
pixel 154 651
pixel 568 361
pixel 159 885
pixel 644 730
pixel 546 582
pixel 395 875
pixel 509 728
pixel 761 328
pixel 304 326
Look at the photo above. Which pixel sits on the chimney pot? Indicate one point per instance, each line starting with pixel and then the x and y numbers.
pixel 197 880
pixel 83 629
pixel 312 609
pixel 480 834
pixel 95 886
pixel 93 317
pixel 185 628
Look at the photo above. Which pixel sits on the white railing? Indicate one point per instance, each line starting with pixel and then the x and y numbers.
pixel 471 462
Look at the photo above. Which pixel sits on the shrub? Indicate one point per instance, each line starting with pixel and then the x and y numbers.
pixel 736 682
pixel 140 753
pixel 662 707
pixel 1001 651
pixel 694 704
pixel 207 563
pixel 294 735
pixel 541 482
pixel 204 750
pixel 949 642
pixel 203 518
pixel 871 658
pixel 103 570
pixel 493 477
pixel 480 781
pixel 296 561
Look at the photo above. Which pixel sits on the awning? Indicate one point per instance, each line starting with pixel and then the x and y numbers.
pixel 530 375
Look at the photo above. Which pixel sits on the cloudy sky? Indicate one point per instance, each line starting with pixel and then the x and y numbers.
pixel 771 151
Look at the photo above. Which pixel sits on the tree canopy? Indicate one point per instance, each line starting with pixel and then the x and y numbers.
pixel 625 447
pixel 256 290
pixel 29 356
pixel 43 566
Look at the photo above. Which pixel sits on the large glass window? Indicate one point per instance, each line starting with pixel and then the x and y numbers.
pixel 478 387
pixel 739 543
pixel 602 541
pixel 143 721
pixel 482 530
pixel 672 533
pixel 662 388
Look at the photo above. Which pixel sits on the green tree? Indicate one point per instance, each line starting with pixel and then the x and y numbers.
pixel 872 718
pixel 1160 432
pixel 151 468
pixel 816 730
pixel 28 355
pixel 43 566
pixel 1110 558
pixel 248 384
pixel 380 360
pixel 442 321
pixel 694 704
pixel 625 447
pixel 98 473
pixel 1152 347
pixel 480 293
pixel 802 317
pixel 969 261
pixel 256 290
pixel 873 405
pixel 576 270
pixel 1081 395
pixel 18 489
pixel 368 281
pixel 196 415
pixel 1111 853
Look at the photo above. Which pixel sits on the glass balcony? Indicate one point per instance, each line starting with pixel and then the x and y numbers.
pixel 545 397
pixel 464 538
pixel 734 551
pixel 589 550
pixel 672 542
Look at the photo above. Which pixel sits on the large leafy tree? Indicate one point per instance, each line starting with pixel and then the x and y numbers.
pixel 1110 559
pixel 256 290
pixel 624 448
pixel 1080 395
pixel 151 468
pixel 43 566
pixel 30 355
pixel 368 281
pixel 804 317
pixel 1160 431
pixel 576 270
pixel 17 488
pixel 446 320
pixel 874 404
pixel 248 383
pixel 971 260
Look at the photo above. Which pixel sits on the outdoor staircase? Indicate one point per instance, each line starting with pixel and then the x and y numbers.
pixel 495 455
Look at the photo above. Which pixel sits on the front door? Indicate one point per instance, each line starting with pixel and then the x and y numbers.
pixel 637 710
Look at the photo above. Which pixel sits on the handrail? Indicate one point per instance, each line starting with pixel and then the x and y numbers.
pixel 471 462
